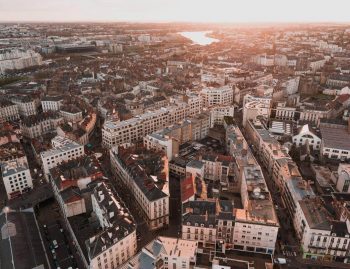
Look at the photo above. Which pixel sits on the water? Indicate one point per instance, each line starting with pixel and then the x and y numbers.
pixel 199 38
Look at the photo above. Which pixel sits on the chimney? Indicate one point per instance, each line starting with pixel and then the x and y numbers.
pixel 206 215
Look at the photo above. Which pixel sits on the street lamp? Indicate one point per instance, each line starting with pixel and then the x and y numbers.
pixel 6 210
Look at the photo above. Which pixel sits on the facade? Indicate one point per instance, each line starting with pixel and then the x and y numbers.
pixel 306 135
pixel 116 243
pixel 63 149
pixel 38 125
pixel 53 103
pixel 18 59
pixel 254 109
pixel 134 129
pixel 150 192
pixel 217 96
pixel 8 111
pixel 71 113
pixel 343 181
pixel 218 113
pixel 26 106
pixel 321 237
pixel 16 177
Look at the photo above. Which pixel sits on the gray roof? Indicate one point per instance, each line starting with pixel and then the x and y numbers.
pixel 337 138
pixel 26 245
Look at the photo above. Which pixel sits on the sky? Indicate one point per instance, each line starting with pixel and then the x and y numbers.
pixel 222 11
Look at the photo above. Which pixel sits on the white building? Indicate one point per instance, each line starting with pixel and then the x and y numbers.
pixel 320 236
pixel 254 109
pixel 18 59
pixel 71 113
pixel 53 103
pixel 343 181
pixel 63 149
pixel 306 134
pixel 16 177
pixel 217 96
pixel 8 111
pixel 117 242
pixel 120 132
pixel 218 113
pixel 26 105
pixel 38 125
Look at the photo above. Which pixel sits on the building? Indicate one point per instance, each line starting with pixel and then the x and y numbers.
pixel 307 135
pixel 218 113
pixel 38 125
pixel 53 103
pixel 116 243
pixel 335 142
pixel 17 59
pixel 134 129
pixel 144 174
pixel 256 225
pixel 166 253
pixel 25 104
pixel 343 180
pixel 321 236
pixel 8 111
pixel 63 149
pixel 69 181
pixel 12 151
pixel 17 178
pixel 217 96
pixel 170 138
pixel 254 109
pixel 71 113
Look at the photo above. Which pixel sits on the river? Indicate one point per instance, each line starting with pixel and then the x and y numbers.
pixel 199 38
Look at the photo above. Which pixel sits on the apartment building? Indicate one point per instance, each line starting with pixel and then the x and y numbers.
pixel 38 125
pixel 218 113
pixel 150 190
pixel 170 138
pixel 217 96
pixel 26 105
pixel 134 129
pixel 256 225
pixel 343 180
pixel 321 236
pixel 268 149
pixel 63 149
pixel 255 109
pixel 71 113
pixel 116 243
pixel 70 179
pixel 8 111
pixel 16 177
pixel 53 103
pixel 218 167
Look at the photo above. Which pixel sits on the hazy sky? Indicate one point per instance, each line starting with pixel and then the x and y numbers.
pixel 176 10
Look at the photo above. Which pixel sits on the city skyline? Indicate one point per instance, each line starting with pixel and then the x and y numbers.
pixel 220 11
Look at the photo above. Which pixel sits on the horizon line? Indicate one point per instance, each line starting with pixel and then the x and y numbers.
pixel 177 22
